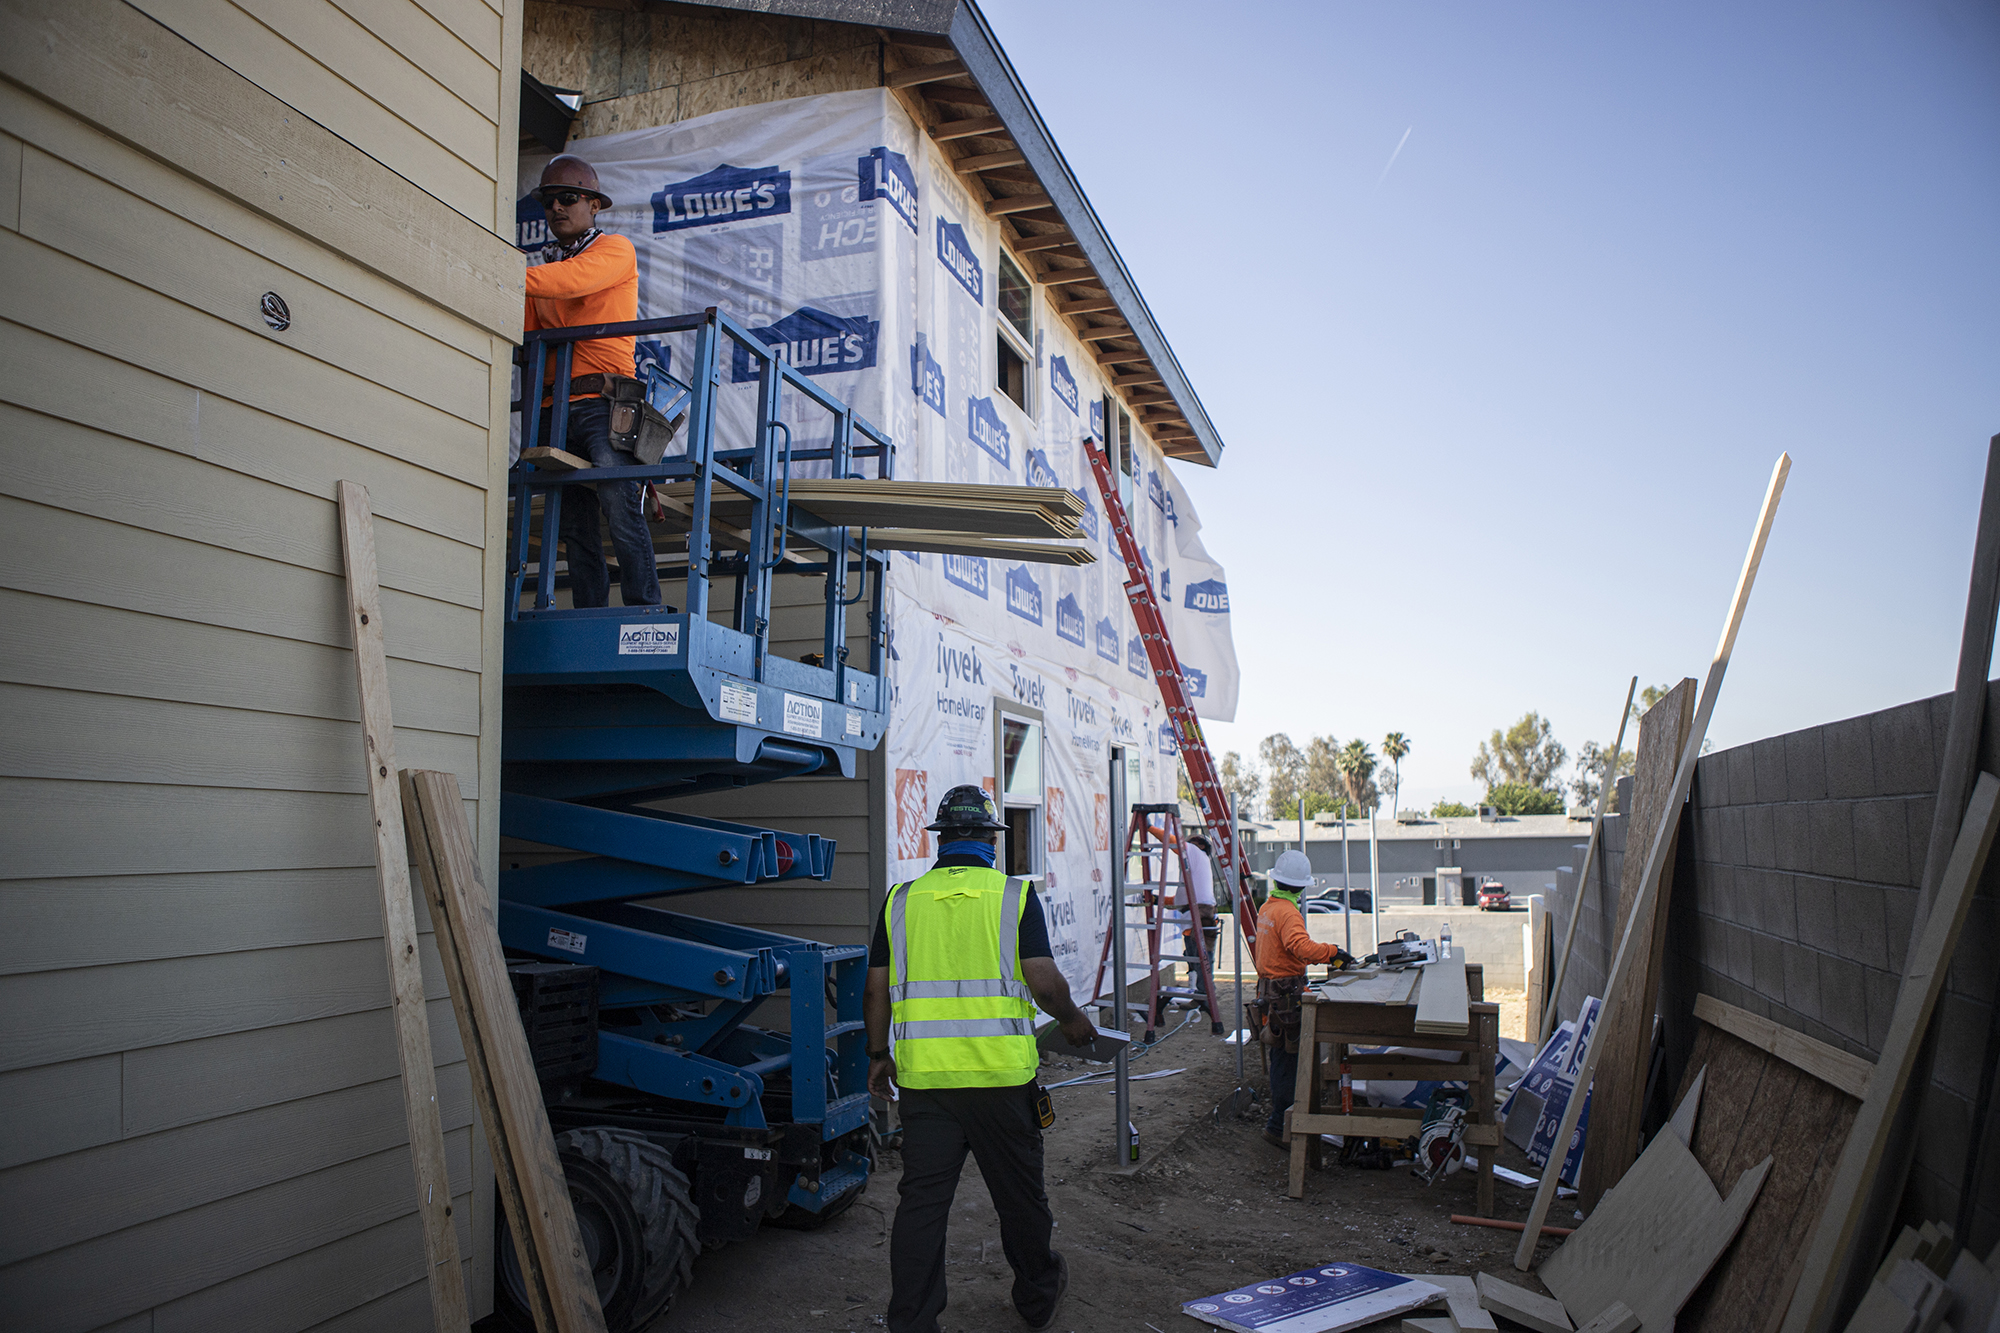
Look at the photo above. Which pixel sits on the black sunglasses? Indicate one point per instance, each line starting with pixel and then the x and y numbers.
pixel 566 198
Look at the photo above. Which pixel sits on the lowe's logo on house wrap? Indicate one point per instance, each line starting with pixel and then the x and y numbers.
pixel 1135 656
pixel 1210 595
pixel 1064 383
pixel 812 342
pixel 531 224
pixel 1196 681
pixel 1069 619
pixel 1097 418
pixel 1089 519
pixel 723 195
pixel 927 377
pixel 1169 743
pixel 1024 595
pixel 988 431
pixel 1107 640
pixel 1156 492
pixel 956 255
pixel 1039 471
pixel 968 572
pixel 885 174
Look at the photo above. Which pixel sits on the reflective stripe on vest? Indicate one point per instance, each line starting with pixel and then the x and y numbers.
pixel 976 1029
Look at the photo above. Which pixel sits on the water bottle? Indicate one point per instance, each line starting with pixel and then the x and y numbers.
pixel 1444 942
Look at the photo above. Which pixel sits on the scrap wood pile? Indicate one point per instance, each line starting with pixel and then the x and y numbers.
pixel 1756 1207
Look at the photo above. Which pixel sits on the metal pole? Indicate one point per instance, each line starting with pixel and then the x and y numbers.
pixel 1346 886
pixel 1236 916
pixel 1122 1097
pixel 1374 886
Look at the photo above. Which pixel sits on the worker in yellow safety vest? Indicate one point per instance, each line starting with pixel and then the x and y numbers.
pixel 960 958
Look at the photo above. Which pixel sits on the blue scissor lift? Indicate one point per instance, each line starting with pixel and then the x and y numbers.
pixel 608 713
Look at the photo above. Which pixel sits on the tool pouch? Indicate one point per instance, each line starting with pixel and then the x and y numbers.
pixel 1283 1016
pixel 637 427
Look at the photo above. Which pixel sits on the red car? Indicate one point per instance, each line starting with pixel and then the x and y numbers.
pixel 1493 897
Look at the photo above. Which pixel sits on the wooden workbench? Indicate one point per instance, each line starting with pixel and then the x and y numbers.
pixel 1329 1027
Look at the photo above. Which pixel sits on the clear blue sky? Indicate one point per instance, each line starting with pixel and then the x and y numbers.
pixel 1498 421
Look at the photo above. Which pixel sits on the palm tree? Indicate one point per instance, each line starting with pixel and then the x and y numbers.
pixel 1357 772
pixel 1394 746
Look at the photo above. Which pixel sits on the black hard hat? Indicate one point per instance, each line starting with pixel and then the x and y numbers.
pixel 966 807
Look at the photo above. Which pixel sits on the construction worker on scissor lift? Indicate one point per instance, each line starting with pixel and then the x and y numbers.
pixel 1284 951
pixel 959 960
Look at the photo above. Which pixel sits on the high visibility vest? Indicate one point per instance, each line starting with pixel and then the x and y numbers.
pixel 960 1013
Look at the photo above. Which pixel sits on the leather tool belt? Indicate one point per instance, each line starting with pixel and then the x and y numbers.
pixel 637 427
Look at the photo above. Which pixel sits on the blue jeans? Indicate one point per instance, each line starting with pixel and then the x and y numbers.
pixel 1284 1083
pixel 620 503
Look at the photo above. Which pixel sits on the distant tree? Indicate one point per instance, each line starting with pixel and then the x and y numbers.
pixel 1322 777
pixel 1394 746
pixel 1518 798
pixel 1452 810
pixel 1241 781
pixel 1590 774
pixel 1182 787
pixel 1649 696
pixel 1357 776
pixel 1526 752
pixel 1315 802
pixel 1284 770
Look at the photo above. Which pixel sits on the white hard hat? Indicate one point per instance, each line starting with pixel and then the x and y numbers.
pixel 1293 870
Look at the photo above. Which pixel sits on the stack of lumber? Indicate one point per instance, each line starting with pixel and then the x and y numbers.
pixel 1924 1281
pixel 1442 1000
pixel 995 511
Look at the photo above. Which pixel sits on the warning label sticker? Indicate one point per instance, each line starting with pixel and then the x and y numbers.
pixel 568 941
pixel 853 724
pixel 803 716
pixel 739 703
pixel 649 640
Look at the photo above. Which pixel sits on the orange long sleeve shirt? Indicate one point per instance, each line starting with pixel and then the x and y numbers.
pixel 1284 949
pixel 599 286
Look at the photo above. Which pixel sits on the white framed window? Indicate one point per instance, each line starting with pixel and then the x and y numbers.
pixel 1018 741
pixel 1014 336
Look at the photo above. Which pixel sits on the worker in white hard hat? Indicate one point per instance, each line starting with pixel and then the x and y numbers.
pixel 1284 951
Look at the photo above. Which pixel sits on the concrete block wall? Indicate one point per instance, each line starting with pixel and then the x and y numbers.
pixel 1794 897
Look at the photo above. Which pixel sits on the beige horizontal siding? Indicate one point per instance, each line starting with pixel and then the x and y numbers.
pixel 155 657
pixel 317 59
pixel 86 1285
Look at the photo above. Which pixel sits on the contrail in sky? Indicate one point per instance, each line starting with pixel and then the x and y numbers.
pixel 1393 156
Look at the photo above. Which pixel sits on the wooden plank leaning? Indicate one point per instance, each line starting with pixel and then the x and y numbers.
pixel 562 1296
pixel 1923 979
pixel 1552 995
pixel 1625 1033
pixel 399 919
pixel 1545 1193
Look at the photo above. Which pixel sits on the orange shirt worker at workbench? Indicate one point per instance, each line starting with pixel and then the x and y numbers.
pixel 1284 951
pixel 586 277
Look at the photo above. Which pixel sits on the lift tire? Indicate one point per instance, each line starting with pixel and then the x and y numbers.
pixel 637 1221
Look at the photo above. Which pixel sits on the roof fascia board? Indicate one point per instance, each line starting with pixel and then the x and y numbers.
pixel 980 50
pixel 930 16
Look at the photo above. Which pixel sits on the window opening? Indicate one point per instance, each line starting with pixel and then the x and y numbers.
pixel 1016 300
pixel 1012 379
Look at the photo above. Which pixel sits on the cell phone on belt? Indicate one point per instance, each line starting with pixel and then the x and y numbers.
pixel 1045 1109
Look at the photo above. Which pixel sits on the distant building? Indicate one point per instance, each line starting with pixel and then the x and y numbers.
pixel 1521 851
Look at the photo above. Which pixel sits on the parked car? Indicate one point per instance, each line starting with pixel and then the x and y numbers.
pixel 1493 897
pixel 1328 900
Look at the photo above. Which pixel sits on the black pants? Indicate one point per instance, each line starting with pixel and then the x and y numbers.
pixel 621 507
pixel 1001 1130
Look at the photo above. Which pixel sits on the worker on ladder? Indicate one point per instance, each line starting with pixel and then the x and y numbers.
pixel 960 958
pixel 1284 951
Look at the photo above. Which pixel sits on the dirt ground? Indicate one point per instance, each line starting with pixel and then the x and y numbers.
pixel 1205 1212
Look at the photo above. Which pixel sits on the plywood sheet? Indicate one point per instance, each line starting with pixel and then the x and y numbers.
pixel 1617 1104
pixel 1442 1004
pixel 1650 1241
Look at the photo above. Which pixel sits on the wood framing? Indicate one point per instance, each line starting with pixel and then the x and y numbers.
pixel 1016 203
pixel 934 72
pixel 1545 1018
pixel 968 128
pixel 399 925
pixel 562 1294
pixel 1006 157
pixel 1829 1064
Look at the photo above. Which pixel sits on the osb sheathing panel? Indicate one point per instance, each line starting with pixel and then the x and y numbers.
pixel 637 70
